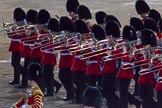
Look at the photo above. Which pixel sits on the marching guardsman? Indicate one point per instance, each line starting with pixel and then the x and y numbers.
pixel 84 14
pixel 100 16
pixel 142 9
pixel 146 79
pixel 113 35
pixel 110 65
pixel 49 60
pixel 53 25
pixel 16 46
pixel 126 72
pixel 93 72
pixel 71 7
pixel 32 99
pixel 138 26
pixel 42 20
pixel 36 54
pixel 79 66
pixel 66 60
pixel 31 20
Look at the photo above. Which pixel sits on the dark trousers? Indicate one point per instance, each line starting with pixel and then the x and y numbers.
pixel 147 93
pixel 123 89
pixel 125 96
pixel 15 62
pixel 159 99
pixel 25 74
pixel 92 80
pixel 65 76
pixel 136 76
pixel 49 78
pixel 109 90
pixel 57 84
pixel 79 81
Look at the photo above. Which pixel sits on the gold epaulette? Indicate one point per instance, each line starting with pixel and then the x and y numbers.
pixel 37 90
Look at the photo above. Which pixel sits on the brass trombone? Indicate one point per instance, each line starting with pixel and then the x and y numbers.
pixel 151 58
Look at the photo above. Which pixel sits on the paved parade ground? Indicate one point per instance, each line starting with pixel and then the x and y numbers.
pixel 122 9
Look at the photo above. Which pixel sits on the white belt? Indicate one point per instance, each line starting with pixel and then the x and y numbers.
pixel 38 43
pixel 49 52
pixel 160 78
pixel 15 40
pixel 26 44
pixel 127 63
pixel 66 54
pixel 90 62
pixel 108 59
pixel 78 56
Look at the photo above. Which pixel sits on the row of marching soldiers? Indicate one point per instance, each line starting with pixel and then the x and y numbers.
pixel 90 54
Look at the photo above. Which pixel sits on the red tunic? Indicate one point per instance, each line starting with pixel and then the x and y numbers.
pixel 78 64
pixel 27 43
pixel 67 58
pixel 126 68
pixel 16 45
pixel 49 56
pixel 36 52
pixel 159 35
pixel 138 46
pixel 109 65
pixel 93 64
pixel 146 77
pixel 158 86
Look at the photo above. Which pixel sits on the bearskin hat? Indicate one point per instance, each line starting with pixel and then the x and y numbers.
pixel 43 16
pixel 53 25
pixel 136 23
pixel 66 24
pixel 154 14
pixel 99 16
pixel 160 25
pixel 148 37
pixel 112 29
pixel 150 23
pixel 142 7
pixel 31 16
pixel 129 33
pixel 72 5
pixel 81 26
pixel 92 97
pixel 112 18
pixel 33 68
pixel 19 14
pixel 84 12
pixel 98 31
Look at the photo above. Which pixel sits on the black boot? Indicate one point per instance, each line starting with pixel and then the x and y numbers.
pixel 133 100
pixel 57 85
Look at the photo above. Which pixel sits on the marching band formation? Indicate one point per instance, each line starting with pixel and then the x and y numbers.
pixel 90 54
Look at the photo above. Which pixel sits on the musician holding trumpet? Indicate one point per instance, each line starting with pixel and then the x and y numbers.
pixel 31 20
pixel 16 46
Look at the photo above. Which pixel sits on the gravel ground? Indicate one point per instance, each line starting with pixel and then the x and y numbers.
pixel 9 94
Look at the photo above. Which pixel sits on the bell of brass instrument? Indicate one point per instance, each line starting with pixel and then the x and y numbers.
pixel 5 25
